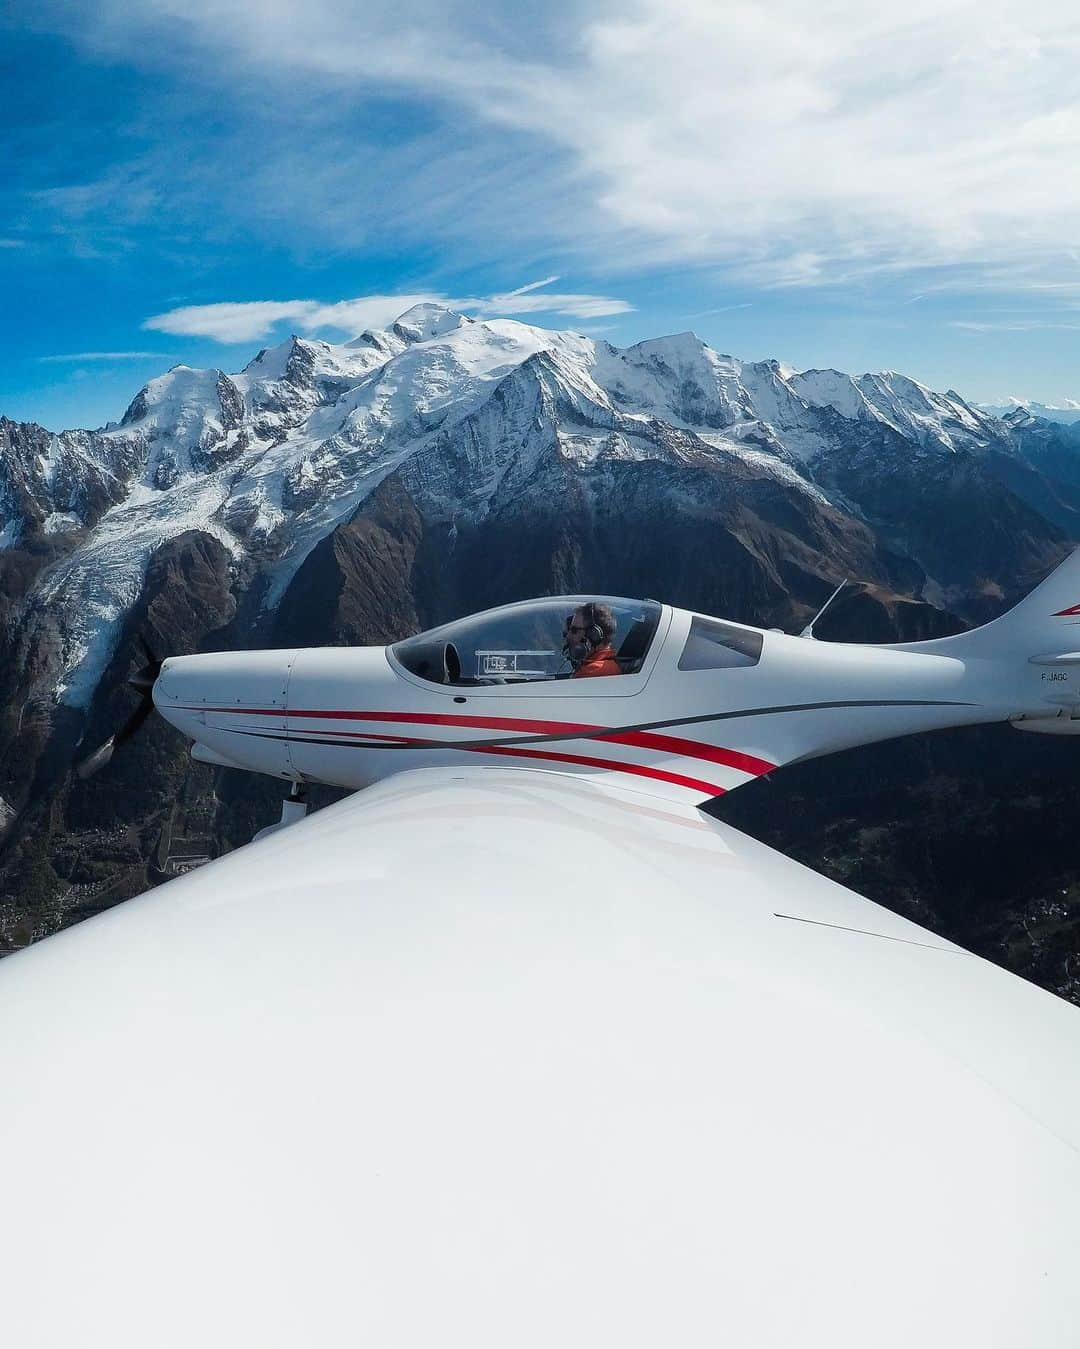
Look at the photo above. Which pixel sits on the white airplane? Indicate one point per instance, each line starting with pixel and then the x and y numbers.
pixel 697 707
pixel 518 1046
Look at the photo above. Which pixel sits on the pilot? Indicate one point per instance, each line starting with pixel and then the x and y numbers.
pixel 587 640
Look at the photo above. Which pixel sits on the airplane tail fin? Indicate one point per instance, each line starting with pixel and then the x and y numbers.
pixel 1047 621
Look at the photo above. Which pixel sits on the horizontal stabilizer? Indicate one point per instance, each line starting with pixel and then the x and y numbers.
pixel 1065 658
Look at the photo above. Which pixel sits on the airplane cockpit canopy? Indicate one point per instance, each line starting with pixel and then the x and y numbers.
pixel 527 642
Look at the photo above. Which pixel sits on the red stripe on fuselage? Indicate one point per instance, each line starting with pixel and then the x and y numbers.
pixel 665 744
pixel 694 749
pixel 612 765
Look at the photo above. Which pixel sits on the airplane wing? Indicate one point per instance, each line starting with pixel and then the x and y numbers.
pixel 502 1057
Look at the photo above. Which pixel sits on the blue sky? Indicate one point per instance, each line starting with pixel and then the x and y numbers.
pixel 832 185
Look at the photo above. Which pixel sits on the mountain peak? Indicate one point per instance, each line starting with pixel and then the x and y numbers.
pixel 427 320
pixel 684 343
pixel 180 394
pixel 270 362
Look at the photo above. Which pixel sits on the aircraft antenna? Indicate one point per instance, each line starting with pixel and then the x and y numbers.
pixel 808 631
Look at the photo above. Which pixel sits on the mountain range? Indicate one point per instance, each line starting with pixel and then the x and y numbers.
pixel 356 492
pixel 1068 412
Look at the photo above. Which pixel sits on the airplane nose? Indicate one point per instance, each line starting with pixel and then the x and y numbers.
pixel 175 694
pixel 168 668
pixel 226 678
pixel 202 690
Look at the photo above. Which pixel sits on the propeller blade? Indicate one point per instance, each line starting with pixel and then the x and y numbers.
pixel 93 763
pixel 142 681
pixel 133 722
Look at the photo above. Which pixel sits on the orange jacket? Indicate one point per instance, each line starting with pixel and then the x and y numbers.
pixel 601 662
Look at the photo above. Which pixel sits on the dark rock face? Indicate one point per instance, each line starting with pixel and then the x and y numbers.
pixel 1050 448
pixel 965 525
pixel 357 587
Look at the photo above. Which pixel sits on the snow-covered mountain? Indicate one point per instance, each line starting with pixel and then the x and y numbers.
pixel 355 492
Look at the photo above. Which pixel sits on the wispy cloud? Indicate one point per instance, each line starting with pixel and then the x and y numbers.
pixel 721 309
pixel 252 320
pixel 103 356
pixel 534 285
pixel 1011 325
pixel 527 300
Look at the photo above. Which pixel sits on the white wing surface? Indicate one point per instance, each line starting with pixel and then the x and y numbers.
pixel 498 1057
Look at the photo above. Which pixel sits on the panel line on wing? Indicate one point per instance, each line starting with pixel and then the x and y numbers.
pixel 865 932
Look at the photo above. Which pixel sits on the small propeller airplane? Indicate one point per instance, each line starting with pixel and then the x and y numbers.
pixel 688 706
pixel 517 1045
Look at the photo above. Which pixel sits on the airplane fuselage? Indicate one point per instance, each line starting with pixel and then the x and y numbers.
pixel 350 716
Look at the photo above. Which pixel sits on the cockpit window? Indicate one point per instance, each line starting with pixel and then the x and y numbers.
pixel 713 645
pixel 568 637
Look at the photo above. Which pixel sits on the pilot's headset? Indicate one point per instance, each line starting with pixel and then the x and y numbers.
pixel 593 636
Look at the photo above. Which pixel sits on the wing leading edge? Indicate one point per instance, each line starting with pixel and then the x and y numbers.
pixel 504 1056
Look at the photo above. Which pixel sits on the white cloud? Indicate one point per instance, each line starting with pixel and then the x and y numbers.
pixel 793 142
pixel 252 320
pixel 243 322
